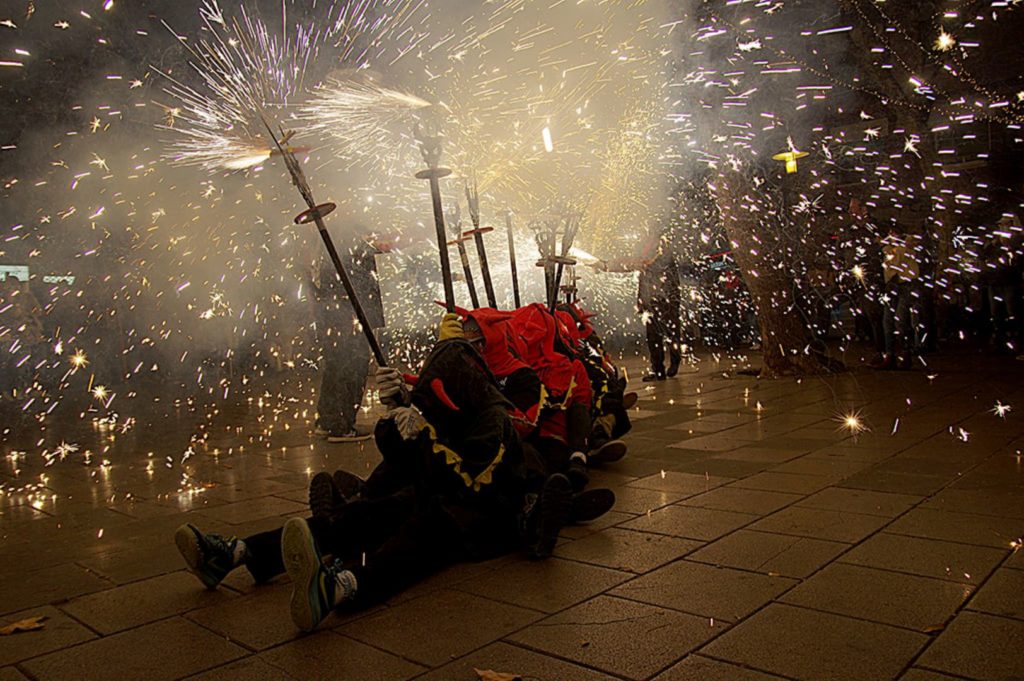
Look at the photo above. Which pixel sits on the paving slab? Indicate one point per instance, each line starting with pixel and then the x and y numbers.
pixel 927 557
pixel 719 442
pixel 328 655
pixel 627 550
pixel 794 483
pixel 692 522
pixel 966 528
pixel 705 590
pixel 760 455
pixel 604 632
pixel 698 668
pixel 126 564
pixel 258 620
pixel 821 524
pixel 988 502
pixel 609 519
pixel 48 585
pixel 868 502
pixel 511 659
pixel 638 500
pixel 432 629
pixel 11 674
pixel 978 646
pixel 915 674
pixel 919 603
pixel 162 651
pixel 770 554
pixel 142 602
pixel 687 484
pixel 249 668
pixel 724 468
pixel 1002 594
pixel 255 509
pixel 833 469
pixel 805 644
pixel 60 631
pixel 547 585
pixel 899 483
pixel 759 502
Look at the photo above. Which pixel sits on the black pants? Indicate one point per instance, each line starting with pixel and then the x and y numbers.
pixel 389 544
pixel 346 363
pixel 359 526
pixel 663 327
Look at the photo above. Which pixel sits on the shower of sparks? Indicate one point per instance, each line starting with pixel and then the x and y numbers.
pixel 362 117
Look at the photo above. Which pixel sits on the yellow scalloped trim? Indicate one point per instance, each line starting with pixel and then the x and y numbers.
pixel 453 459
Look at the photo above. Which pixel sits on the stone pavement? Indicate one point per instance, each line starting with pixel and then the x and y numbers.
pixel 754 538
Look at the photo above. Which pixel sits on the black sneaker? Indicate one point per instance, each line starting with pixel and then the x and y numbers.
pixel 324 497
pixel 348 484
pixel 552 513
pixel 210 557
pixel 607 452
pixel 591 505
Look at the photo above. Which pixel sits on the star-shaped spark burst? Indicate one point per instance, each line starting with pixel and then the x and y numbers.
pixel 851 422
pixel 1001 410
pixel 945 42
pixel 79 360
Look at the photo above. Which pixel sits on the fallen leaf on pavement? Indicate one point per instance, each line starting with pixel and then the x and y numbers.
pixel 30 624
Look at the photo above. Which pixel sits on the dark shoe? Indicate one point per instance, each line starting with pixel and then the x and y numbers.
pixel 349 485
pixel 313 583
pixel 629 400
pixel 591 505
pixel 657 376
pixel 350 436
pixel 324 497
pixel 608 452
pixel 552 513
pixel 210 557
pixel 673 369
pixel 577 472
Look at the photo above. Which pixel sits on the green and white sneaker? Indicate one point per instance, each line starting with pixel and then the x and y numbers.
pixel 316 588
pixel 210 557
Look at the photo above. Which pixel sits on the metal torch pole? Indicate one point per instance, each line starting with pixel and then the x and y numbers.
pixel 473 199
pixel 430 147
pixel 512 258
pixel 316 214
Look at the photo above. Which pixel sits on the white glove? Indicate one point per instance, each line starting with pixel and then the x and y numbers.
pixel 393 392
pixel 408 421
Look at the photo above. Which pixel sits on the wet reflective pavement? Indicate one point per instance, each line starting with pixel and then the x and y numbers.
pixel 759 533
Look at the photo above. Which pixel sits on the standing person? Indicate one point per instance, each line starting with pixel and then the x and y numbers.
pixel 659 301
pixel 1001 263
pixel 346 355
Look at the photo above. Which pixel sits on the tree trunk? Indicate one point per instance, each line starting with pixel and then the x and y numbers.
pixel 762 258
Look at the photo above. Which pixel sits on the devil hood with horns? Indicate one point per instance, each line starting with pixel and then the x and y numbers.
pixel 458 396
